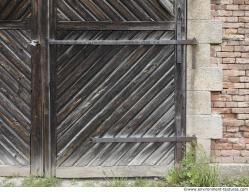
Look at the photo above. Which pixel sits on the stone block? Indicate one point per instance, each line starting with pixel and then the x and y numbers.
pixel 205 126
pixel 198 102
pixel 205 79
pixel 199 9
pixel 198 56
pixel 205 31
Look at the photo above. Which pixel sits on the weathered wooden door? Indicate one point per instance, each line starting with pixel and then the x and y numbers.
pixel 117 85
pixel 92 88
pixel 15 88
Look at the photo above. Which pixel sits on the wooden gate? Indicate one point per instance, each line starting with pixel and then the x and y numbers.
pixel 106 93
pixel 15 88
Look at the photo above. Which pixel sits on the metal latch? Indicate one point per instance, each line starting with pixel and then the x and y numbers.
pixel 34 43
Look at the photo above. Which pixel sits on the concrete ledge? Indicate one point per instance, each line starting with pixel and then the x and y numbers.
pixel 205 79
pixel 205 126
pixel 232 169
pixel 205 31
pixel 198 103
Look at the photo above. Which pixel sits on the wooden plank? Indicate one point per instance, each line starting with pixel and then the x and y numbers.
pixel 113 171
pixel 15 24
pixel 116 26
pixel 37 102
pixel 180 79
pixel 123 42
pixel 50 136
pixel 40 87
pixel 10 171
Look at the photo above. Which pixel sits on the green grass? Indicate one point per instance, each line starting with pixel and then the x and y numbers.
pixel 196 173
pixel 7 183
pixel 117 182
pixel 138 182
pixel 123 182
pixel 236 182
pixel 150 183
pixel 40 182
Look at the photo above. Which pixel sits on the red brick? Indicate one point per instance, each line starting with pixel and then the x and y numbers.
pixel 242 60
pixel 244 79
pixel 238 2
pixel 229 54
pixel 228 153
pixel 233 122
pixel 239 146
pixel 228 60
pixel 244 7
pixel 234 73
pixel 243 116
pixel 233 102
pixel 232 7
pixel 223 146
pixel 246 134
pixel 245 153
pixel 240 110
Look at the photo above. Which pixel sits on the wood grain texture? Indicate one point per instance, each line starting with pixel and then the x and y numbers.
pixel 15 9
pixel 114 171
pixel 115 91
pixel 15 98
pixel 55 98
pixel 115 10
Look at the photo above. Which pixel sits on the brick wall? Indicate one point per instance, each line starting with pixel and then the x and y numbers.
pixel 233 102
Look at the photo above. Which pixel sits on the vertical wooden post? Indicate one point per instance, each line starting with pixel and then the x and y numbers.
pixel 42 147
pixel 180 12
pixel 50 161
pixel 38 105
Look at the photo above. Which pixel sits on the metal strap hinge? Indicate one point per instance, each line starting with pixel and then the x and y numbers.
pixel 143 140
pixel 124 42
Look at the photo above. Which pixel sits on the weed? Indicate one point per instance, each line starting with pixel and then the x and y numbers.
pixel 40 182
pixel 194 172
pixel 7 183
pixel 236 182
pixel 74 181
pixel 141 183
pixel 117 182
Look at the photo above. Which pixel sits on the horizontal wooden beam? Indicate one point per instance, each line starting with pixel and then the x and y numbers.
pixel 143 140
pixel 114 171
pixel 14 24
pixel 117 26
pixel 10 171
pixel 124 42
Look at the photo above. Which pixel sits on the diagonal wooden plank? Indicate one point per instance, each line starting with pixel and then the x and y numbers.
pixel 114 10
pixel 15 95
pixel 91 126
pixel 15 10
